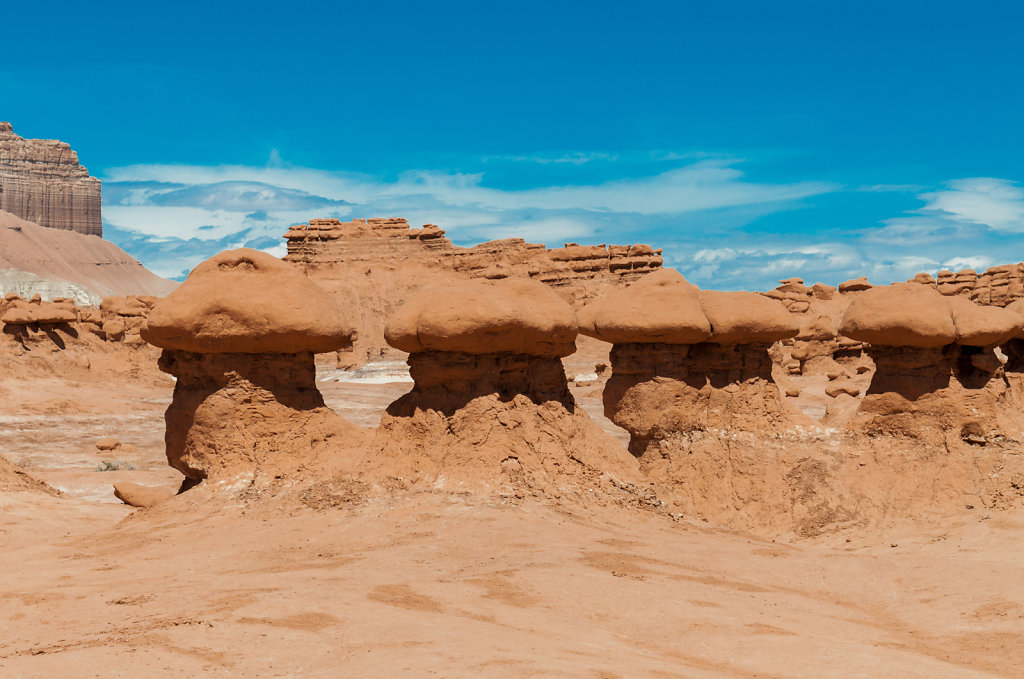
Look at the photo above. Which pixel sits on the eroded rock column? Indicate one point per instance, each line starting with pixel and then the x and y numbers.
pixel 491 410
pixel 240 336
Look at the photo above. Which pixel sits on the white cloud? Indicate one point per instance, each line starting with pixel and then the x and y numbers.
pixel 997 203
pixel 156 208
pixel 976 262
pixel 704 185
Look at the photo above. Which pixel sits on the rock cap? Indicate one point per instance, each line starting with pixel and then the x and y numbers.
pixel 660 307
pixel 900 315
pixel 746 318
pixel 246 301
pixel 510 315
pixel 983 326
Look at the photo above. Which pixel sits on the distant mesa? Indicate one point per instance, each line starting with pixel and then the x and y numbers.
pixel 372 266
pixel 42 181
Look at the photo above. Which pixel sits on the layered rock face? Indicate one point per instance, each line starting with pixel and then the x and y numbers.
pixel 239 337
pixel 42 181
pixel 491 409
pixel 997 286
pixel 373 265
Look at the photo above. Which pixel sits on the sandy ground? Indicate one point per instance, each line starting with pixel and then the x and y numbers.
pixel 452 586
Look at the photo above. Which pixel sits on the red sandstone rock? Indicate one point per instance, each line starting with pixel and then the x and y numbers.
pixel 902 314
pixel 660 307
pixel 246 301
pixel 108 444
pixel 855 285
pixel 983 326
pixel 372 266
pixel 138 495
pixel 479 317
pixel 238 336
pixel 491 409
pixel 746 318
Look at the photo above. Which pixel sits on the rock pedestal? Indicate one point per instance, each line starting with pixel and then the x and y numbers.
pixel 491 409
pixel 239 337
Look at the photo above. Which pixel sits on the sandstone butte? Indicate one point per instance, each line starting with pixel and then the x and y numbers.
pixel 41 181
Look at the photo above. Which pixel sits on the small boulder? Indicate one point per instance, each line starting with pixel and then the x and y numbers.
pixel 138 495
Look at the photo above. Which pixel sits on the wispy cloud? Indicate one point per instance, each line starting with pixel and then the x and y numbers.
pixel 997 203
pixel 698 207
pixel 161 206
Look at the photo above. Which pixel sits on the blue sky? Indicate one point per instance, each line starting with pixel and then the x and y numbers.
pixel 751 140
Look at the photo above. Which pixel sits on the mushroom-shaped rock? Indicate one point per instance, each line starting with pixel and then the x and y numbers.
pixel 661 307
pixel 239 335
pixel 746 318
pixel 935 371
pixel 698 405
pixel 490 409
pixel 248 302
pixel 515 315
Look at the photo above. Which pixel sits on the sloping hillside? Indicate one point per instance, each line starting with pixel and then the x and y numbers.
pixel 62 255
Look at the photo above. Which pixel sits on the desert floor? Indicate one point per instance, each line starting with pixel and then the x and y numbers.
pixel 449 585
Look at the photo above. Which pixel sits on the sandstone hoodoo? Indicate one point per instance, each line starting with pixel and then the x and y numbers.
pixel 692 384
pixel 491 409
pixel 935 368
pixel 240 336
pixel 687 361
pixel 939 408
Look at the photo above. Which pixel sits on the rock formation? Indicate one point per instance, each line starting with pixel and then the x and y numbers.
pixel 939 409
pixel 38 324
pixel 688 363
pixel 692 383
pixel 41 181
pixel 491 409
pixel 239 336
pixel 372 265
pixel 936 375
pixel 69 264
pixel 997 286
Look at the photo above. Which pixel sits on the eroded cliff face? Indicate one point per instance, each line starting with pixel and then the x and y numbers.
pixel 42 181
pixel 373 265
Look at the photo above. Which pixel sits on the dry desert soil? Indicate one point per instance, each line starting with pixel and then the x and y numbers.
pixel 449 585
